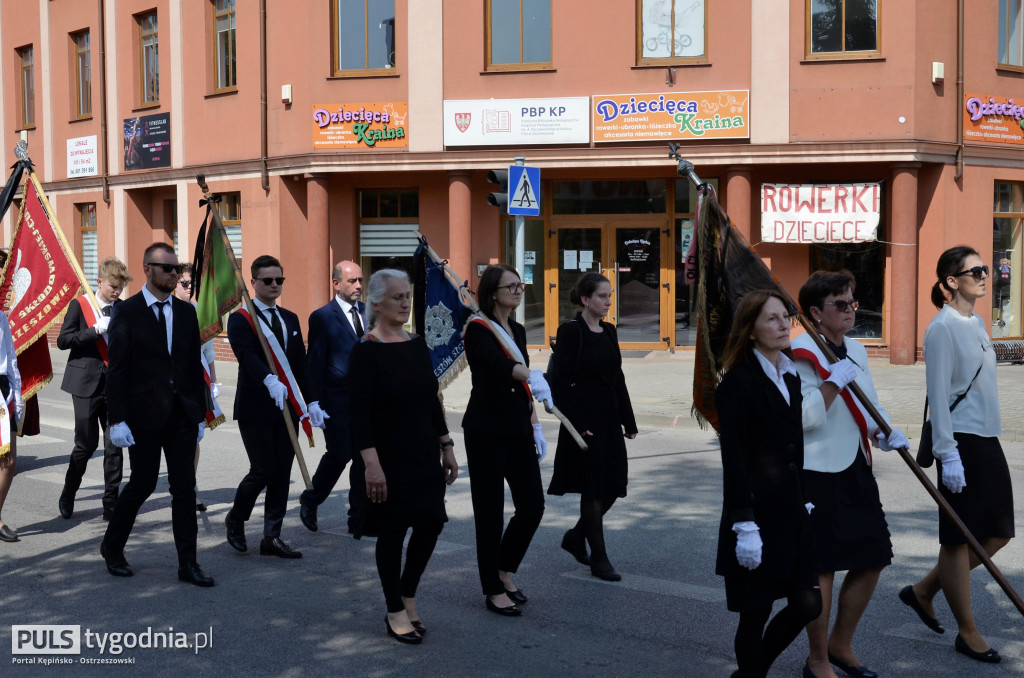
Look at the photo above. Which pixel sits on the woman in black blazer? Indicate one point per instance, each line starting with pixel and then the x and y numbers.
pixel 766 548
pixel 503 438
pixel 590 389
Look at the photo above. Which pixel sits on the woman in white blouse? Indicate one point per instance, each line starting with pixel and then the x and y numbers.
pixel 10 387
pixel 972 468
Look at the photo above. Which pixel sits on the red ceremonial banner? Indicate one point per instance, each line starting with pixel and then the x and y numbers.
pixel 39 283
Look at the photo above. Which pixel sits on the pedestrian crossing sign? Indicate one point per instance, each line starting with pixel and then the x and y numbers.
pixel 524 191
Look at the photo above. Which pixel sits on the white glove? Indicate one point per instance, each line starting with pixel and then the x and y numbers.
pixel 19 407
pixel 317 417
pixel 953 473
pixel 121 435
pixel 748 544
pixel 278 392
pixel 539 386
pixel 102 323
pixel 843 372
pixel 215 389
pixel 542 444
pixel 896 440
pixel 809 506
pixel 202 431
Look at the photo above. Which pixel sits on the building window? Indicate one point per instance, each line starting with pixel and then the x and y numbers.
pixel 1011 28
pixel 843 27
pixel 87 242
pixel 230 207
pixel 149 59
pixel 518 34
pixel 224 44
pixel 27 87
pixel 1006 259
pixel 83 74
pixel 388 229
pixel 671 31
pixel 363 36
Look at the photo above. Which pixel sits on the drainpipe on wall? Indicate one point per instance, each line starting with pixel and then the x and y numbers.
pixel 959 93
pixel 103 102
pixel 264 172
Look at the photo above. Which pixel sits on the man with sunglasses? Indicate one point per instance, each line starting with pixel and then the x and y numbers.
pixel 333 330
pixel 84 335
pixel 259 399
pixel 156 401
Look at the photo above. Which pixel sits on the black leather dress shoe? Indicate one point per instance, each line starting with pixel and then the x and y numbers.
pixel 8 534
pixel 510 611
pixel 855 671
pixel 273 546
pixel 236 533
pixel 66 507
pixel 193 574
pixel 989 656
pixel 108 513
pixel 517 597
pixel 307 514
pixel 411 638
pixel 576 545
pixel 116 563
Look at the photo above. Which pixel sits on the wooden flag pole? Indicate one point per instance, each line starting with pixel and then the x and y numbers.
pixel 470 301
pixel 286 412
pixel 686 169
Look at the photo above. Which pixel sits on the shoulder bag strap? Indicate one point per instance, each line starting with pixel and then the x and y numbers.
pixel 964 394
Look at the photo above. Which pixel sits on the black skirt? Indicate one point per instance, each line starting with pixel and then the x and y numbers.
pixel 849 524
pixel 986 502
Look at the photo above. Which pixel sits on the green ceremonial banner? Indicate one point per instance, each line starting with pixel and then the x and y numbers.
pixel 219 291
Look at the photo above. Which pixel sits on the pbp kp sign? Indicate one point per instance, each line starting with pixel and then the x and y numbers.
pixel 46 639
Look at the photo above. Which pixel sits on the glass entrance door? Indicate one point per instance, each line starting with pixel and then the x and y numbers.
pixel 636 280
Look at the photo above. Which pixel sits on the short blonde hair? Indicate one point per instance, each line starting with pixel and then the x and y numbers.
pixel 115 272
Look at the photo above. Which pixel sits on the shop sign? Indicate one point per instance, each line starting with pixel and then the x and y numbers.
pixel 671 116
pixel 82 158
pixel 147 142
pixel 993 119
pixel 829 213
pixel 361 125
pixel 506 122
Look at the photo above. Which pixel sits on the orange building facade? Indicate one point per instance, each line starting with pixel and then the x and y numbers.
pixel 869 135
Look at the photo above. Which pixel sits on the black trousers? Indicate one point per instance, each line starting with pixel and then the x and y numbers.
pixel 270 453
pixel 339 453
pixel 177 439
pixel 90 416
pixel 396 581
pixel 494 459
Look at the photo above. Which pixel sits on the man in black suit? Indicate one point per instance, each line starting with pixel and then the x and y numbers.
pixel 156 400
pixel 83 333
pixel 333 330
pixel 259 399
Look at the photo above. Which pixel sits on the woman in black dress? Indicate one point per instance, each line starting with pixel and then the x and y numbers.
pixel 397 426
pixel 503 437
pixel 590 389
pixel 766 547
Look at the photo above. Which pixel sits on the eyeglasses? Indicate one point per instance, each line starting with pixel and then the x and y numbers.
pixel 977 272
pixel 185 283
pixel 167 268
pixel 514 287
pixel 842 304
pixel 271 281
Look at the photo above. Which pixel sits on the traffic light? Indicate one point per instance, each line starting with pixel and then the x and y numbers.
pixel 499 198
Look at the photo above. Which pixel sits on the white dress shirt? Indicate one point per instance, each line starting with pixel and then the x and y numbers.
pixel 268 312
pixel 168 313
pixel 782 366
pixel 346 309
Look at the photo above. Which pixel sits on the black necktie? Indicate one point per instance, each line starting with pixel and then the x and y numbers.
pixel 275 326
pixel 356 321
pixel 106 310
pixel 161 320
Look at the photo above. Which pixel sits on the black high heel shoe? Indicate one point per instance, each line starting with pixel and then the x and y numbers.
pixel 576 545
pixel 411 638
pixel 909 599
pixel 855 671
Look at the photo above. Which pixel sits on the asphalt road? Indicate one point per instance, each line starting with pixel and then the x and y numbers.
pixel 323 615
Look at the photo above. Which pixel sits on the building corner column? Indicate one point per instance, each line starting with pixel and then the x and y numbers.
pixel 903 282
pixel 738 200
pixel 317 268
pixel 460 220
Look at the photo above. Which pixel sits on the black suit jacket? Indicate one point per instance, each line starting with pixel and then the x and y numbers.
pixel 331 338
pixel 143 381
pixel 252 401
pixel 85 369
pixel 762 463
pixel 498 404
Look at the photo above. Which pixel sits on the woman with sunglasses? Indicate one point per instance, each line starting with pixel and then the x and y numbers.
pixel 972 470
pixel 849 524
pixel 504 441
pixel 591 391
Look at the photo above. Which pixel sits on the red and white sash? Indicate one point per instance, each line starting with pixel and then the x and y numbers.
pixel 214 416
pixel 506 342
pixel 846 395
pixel 92 316
pixel 284 373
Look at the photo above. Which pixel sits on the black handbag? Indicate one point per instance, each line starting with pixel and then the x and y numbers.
pixel 925 458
